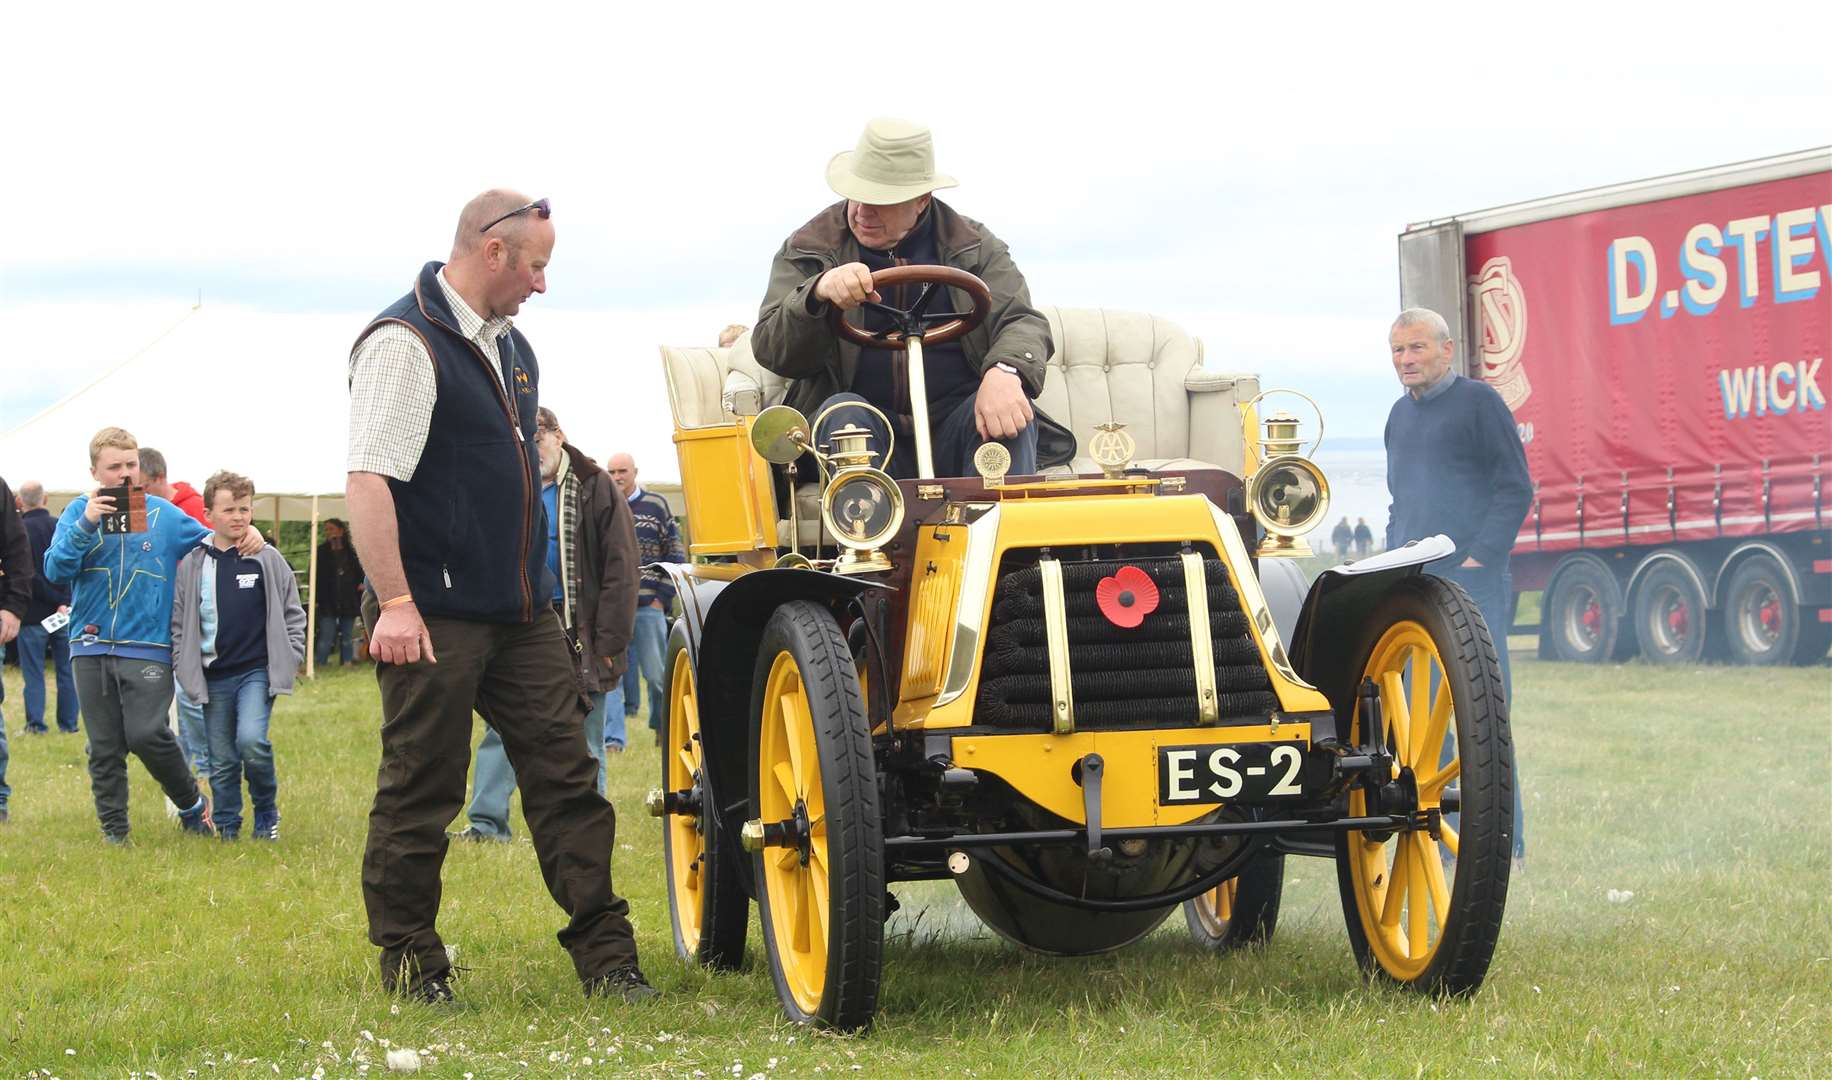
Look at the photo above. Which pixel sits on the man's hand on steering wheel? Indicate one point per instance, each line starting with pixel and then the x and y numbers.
pixel 847 286
pixel 1001 409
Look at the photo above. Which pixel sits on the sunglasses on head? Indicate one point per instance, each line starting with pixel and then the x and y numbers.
pixel 539 206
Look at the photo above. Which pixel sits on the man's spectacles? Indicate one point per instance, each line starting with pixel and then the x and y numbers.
pixel 539 206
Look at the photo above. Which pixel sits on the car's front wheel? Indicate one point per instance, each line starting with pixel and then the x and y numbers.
pixel 1423 910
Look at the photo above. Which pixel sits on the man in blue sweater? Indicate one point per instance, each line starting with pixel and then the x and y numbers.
pixel 658 540
pixel 121 634
pixel 1455 466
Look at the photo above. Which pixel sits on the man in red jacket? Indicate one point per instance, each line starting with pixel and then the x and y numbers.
pixel 181 494
pixel 191 731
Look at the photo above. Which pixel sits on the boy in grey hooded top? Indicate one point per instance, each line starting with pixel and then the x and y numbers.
pixel 238 638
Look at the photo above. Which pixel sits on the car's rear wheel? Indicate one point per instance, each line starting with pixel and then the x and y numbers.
pixel 1425 912
pixel 706 901
pixel 822 893
pixel 1242 910
pixel 1670 618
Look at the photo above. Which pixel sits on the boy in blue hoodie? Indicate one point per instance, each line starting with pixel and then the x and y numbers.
pixel 120 635
pixel 238 638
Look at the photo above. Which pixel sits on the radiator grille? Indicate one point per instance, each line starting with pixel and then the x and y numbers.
pixel 1122 678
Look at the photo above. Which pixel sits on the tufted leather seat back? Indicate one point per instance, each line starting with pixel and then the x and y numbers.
pixel 1109 366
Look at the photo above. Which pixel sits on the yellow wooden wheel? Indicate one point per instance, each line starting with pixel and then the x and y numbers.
pixel 706 903
pixel 820 883
pixel 1425 911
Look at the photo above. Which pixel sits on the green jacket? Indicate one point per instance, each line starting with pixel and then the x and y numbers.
pixel 792 338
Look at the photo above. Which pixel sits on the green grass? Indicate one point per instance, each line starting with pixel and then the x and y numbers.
pixel 1704 792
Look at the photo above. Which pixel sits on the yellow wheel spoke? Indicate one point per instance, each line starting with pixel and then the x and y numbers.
pixel 785 779
pixel 817 884
pixel 684 757
pixel 1393 708
pixel 1433 786
pixel 1418 708
pixel 1418 914
pixel 1396 890
pixel 792 728
pixel 1431 746
pixel 800 924
pixel 1450 836
pixel 1433 866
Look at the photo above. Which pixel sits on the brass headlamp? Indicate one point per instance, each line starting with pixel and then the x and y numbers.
pixel 1288 494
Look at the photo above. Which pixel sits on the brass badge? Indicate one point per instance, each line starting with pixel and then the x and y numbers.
pixel 992 461
pixel 1112 449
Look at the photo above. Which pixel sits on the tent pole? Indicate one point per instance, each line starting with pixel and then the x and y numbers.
pixel 311 588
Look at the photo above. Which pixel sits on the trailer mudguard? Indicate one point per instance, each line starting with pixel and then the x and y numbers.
pixel 1339 604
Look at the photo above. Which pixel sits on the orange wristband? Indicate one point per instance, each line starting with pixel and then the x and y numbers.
pixel 404 598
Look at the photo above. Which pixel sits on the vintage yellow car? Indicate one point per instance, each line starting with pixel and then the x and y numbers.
pixel 1085 698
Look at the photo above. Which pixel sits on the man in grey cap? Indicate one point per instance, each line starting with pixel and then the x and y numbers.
pixel 980 385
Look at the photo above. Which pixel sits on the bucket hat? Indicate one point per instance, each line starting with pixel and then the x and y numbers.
pixel 894 162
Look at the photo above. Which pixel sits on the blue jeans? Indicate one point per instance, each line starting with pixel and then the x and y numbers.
pixel 5 791
pixel 33 641
pixel 1492 589
pixel 612 713
pixel 193 735
pixel 646 645
pixel 338 630
pixel 236 717
pixel 495 778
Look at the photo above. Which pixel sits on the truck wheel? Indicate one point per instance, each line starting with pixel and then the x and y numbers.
pixel 1762 624
pixel 822 893
pixel 1426 912
pixel 1670 619
pixel 1242 910
pixel 706 901
pixel 1583 613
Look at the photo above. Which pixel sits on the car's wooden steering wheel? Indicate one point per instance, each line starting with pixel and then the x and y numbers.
pixel 917 321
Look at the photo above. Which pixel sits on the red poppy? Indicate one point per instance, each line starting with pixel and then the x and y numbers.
pixel 1127 597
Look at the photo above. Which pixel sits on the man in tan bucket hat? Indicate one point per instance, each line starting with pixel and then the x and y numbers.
pixel 980 385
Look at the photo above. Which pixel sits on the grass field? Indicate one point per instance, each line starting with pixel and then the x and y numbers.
pixel 1705 793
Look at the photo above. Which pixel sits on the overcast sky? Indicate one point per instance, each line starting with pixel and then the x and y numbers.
pixel 1242 173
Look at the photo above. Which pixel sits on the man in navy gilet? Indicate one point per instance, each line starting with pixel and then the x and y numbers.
pixel 445 509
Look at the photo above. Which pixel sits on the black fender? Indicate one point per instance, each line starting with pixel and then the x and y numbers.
pixel 1338 606
pixel 697 595
pixel 726 657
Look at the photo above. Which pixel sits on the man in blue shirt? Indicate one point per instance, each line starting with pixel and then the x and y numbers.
pixel 1455 466
pixel 658 539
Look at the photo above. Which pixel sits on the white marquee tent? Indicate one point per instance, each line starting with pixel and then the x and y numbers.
pixel 265 394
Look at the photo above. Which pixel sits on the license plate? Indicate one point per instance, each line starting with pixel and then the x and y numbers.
pixel 1236 772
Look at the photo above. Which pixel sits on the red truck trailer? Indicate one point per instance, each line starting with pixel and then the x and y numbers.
pixel 1662 345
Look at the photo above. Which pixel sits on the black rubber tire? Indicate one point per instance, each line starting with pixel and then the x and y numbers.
pixel 1485 748
pixel 1671 624
pixel 725 911
pixel 1815 639
pixel 1748 643
pixel 855 828
pixel 1575 588
pixel 1259 889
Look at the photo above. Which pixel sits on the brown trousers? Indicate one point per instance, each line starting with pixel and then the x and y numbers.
pixel 520 678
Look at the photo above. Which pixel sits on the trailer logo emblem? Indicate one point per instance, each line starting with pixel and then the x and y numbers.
pixel 1501 329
